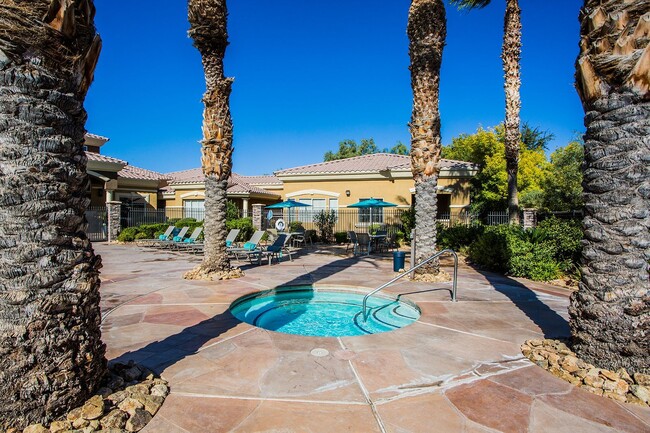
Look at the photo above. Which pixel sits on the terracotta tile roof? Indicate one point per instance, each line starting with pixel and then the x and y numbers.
pixel 132 172
pixel 368 163
pixel 96 137
pixel 236 183
pixel 103 158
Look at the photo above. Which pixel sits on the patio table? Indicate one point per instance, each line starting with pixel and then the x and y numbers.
pixel 374 242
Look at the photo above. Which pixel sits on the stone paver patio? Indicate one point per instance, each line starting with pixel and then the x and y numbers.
pixel 457 369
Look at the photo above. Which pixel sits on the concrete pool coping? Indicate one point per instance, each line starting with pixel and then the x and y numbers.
pixel 458 368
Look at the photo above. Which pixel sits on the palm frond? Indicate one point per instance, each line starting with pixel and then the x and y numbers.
pixel 470 4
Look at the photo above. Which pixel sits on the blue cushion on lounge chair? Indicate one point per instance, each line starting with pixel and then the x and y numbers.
pixel 273 248
pixel 162 237
pixel 177 238
pixel 228 243
pixel 249 246
pixel 188 240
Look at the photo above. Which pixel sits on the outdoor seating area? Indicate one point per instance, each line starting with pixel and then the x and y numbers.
pixel 225 375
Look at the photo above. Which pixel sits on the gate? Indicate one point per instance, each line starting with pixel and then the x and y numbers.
pixel 97 218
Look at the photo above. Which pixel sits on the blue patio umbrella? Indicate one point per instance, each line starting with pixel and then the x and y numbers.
pixel 288 204
pixel 372 203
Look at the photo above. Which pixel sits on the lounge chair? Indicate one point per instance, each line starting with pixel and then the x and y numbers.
pixel 197 247
pixel 280 245
pixel 188 241
pixel 352 242
pixel 249 246
pixel 163 237
pixel 170 242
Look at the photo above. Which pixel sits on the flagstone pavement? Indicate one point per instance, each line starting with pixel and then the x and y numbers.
pixel 457 369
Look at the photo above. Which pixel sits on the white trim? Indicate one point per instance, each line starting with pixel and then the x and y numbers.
pixel 97 175
pixel 193 194
pixel 458 205
pixel 313 192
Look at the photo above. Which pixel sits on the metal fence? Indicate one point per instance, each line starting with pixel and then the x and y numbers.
pixel 135 216
pixel 97 218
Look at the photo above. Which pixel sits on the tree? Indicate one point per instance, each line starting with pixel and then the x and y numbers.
pixel 610 313
pixel 510 55
pixel 486 147
pixel 535 138
pixel 208 29
pixel 51 353
pixel 427 31
pixel 563 185
pixel 349 148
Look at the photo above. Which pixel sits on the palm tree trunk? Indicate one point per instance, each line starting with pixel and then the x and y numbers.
pixel 208 28
pixel 51 353
pixel 610 314
pixel 511 54
pixel 427 30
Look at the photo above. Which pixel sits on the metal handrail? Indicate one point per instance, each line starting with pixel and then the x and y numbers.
pixel 403 274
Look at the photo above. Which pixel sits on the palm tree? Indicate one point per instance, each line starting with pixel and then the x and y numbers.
pixel 510 55
pixel 427 30
pixel 51 353
pixel 610 314
pixel 208 29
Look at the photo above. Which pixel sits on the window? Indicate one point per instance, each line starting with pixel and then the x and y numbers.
pixel 366 213
pixel 334 205
pixel 194 209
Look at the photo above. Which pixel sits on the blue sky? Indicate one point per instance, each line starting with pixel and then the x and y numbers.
pixel 309 74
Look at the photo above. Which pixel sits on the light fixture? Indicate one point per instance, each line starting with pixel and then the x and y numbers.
pixel 347 192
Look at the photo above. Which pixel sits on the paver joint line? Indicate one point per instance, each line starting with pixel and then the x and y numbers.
pixel 280 399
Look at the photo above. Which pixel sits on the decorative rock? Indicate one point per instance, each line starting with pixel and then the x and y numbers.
pixel 622 387
pixel 614 396
pixel 137 389
pixel 594 381
pixel 622 373
pixel 36 428
pixel 152 403
pixel 553 358
pixel 609 385
pixel 94 408
pixel 115 419
pixel 117 397
pixel 138 420
pixel 609 375
pixel 80 423
pixel 570 363
pixel 94 424
pixel 60 426
pixel 104 392
pixel 642 379
pixel 74 414
pixel 130 405
pixel 641 392
pixel 159 390
pixel 535 342
pixel 593 390
pixel 132 373
pixel 631 398
pixel 116 382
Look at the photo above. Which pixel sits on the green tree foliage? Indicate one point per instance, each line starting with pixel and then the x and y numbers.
pixel 535 138
pixel 486 148
pixel 350 148
pixel 563 186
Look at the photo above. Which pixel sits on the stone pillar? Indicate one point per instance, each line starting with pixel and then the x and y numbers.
pixel 244 210
pixel 258 217
pixel 530 218
pixel 114 211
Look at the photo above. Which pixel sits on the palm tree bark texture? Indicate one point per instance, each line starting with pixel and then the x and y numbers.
pixel 510 56
pixel 610 313
pixel 427 30
pixel 51 353
pixel 208 29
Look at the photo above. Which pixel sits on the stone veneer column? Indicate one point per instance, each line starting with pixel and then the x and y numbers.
pixel 530 218
pixel 114 211
pixel 257 216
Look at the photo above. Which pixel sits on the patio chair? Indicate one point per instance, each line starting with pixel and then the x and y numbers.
pixel 363 243
pixel 299 237
pixel 352 242
pixel 276 249
pixel 249 246
pixel 170 242
pixel 185 243
pixel 197 247
pixel 163 237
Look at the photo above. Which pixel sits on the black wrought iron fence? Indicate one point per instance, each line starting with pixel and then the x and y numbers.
pixel 97 218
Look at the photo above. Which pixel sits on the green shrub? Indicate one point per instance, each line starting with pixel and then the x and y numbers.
pixel 566 238
pixel 128 234
pixel 185 222
pixel 341 237
pixel 325 221
pixel 295 226
pixel 245 225
pixel 492 249
pixel 408 222
pixel 142 235
pixel 458 237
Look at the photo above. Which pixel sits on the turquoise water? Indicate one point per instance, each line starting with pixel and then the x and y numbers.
pixel 302 310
